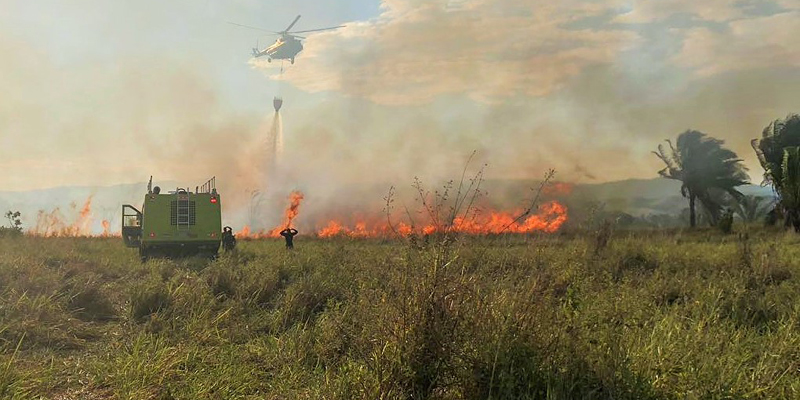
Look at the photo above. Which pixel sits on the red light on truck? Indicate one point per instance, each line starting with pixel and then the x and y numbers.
pixel 152 234
pixel 213 200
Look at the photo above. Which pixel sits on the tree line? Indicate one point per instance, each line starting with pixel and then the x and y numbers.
pixel 710 173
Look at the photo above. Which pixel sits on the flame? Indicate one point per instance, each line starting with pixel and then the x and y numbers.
pixel 245 232
pixel 332 229
pixel 55 224
pixel 294 208
pixel 290 214
pixel 362 229
pixel 548 218
pixel 295 198
pixel 83 225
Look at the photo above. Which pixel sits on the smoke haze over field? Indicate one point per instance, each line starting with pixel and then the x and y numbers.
pixel 98 93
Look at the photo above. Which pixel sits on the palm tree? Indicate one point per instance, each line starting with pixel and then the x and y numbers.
pixel 705 169
pixel 774 151
pixel 790 185
pixel 752 208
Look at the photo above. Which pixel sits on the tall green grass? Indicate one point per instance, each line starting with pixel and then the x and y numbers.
pixel 634 315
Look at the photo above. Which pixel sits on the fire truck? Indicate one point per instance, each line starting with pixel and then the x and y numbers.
pixel 178 223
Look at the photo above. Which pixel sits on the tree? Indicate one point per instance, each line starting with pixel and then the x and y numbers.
pixel 15 224
pixel 790 185
pixel 706 170
pixel 752 208
pixel 777 157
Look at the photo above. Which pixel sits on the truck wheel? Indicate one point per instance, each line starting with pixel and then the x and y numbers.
pixel 144 255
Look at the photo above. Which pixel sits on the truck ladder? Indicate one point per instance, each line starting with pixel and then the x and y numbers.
pixel 182 211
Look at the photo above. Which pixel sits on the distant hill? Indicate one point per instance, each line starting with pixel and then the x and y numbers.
pixel 650 196
pixel 655 188
pixel 633 196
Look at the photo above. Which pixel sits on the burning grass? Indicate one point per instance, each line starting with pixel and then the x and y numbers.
pixel 549 219
pixel 653 315
pixel 55 224
pixel 454 210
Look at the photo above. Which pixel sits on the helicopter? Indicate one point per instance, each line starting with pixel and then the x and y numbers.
pixel 288 44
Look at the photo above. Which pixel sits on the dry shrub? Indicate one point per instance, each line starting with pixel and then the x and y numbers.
pixel 259 287
pixel 222 281
pixel 91 304
pixel 603 237
pixel 149 298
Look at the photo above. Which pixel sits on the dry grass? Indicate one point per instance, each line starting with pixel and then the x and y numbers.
pixel 643 315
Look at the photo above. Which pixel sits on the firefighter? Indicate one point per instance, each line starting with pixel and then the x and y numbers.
pixel 288 234
pixel 228 239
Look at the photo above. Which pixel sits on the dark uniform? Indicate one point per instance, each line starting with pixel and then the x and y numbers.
pixel 288 234
pixel 228 239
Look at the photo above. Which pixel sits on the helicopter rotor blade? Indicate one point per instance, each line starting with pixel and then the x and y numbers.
pixel 253 27
pixel 317 30
pixel 292 24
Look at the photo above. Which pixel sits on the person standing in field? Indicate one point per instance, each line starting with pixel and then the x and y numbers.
pixel 228 239
pixel 288 234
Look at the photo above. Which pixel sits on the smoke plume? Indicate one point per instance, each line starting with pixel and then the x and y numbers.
pixel 587 88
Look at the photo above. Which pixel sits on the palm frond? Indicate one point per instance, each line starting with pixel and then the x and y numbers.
pixel 708 171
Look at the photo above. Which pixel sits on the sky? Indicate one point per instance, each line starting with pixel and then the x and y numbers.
pixel 105 92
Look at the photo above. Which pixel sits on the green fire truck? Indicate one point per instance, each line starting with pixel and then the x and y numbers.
pixel 174 224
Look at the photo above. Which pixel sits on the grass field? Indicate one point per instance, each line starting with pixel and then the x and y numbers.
pixel 652 315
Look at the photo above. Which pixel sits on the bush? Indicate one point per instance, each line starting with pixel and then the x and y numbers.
pixel 15 225
pixel 307 298
pixel 511 371
pixel 90 303
pixel 9 232
pixel 148 299
pixel 259 287
pixel 726 222
pixel 222 282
